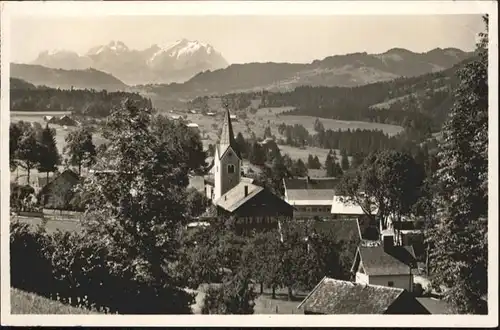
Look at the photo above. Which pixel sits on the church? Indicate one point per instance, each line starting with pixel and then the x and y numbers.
pixel 236 196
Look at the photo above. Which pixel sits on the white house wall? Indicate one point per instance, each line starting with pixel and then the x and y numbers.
pixel 400 281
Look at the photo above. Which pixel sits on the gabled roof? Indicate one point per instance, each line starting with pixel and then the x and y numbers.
pixel 340 230
pixel 376 261
pixel 310 196
pixel 66 174
pixel 227 139
pixel 435 306
pixel 333 296
pixel 235 197
pixel 308 183
pixel 341 205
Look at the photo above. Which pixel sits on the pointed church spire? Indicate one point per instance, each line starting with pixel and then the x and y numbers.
pixel 227 136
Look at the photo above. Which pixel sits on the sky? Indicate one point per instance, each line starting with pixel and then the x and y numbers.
pixel 243 39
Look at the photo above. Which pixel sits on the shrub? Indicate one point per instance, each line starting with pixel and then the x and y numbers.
pixel 79 270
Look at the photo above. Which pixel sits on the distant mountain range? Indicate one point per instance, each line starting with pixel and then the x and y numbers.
pixel 176 62
pixel 66 79
pixel 335 71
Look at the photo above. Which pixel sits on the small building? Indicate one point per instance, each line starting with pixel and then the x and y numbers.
pixel 234 118
pixel 67 121
pixel 211 114
pixel 175 117
pixel 310 196
pixel 386 264
pixel 59 192
pixel 193 112
pixel 336 297
pixel 48 118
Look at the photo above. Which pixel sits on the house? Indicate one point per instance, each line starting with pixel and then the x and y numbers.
pixel 345 208
pixel 59 192
pixel 175 117
pixel 193 126
pixel 48 119
pixel 386 264
pixel 332 296
pixel 234 118
pixel 211 114
pixel 310 196
pixel 238 197
pixel 67 121
pixel 253 207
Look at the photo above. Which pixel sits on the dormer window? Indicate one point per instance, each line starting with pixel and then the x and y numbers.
pixel 230 168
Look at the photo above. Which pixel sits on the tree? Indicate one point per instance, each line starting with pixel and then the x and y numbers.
pixel 299 168
pixel 344 163
pixel 267 132
pixel 184 143
pixel 329 161
pixel 80 148
pixel 257 155
pixel 388 182
pixel 234 296
pixel 138 207
pixel 459 256
pixel 196 202
pixel 242 145
pixel 49 155
pixel 28 151
pixel 318 126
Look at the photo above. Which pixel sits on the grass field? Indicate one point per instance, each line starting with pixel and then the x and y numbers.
pixel 51 224
pixel 22 302
pixel 264 304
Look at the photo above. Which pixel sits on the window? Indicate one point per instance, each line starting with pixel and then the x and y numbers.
pixel 230 169
pixel 391 283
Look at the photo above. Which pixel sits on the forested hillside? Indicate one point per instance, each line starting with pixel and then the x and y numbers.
pixel 420 103
pixel 26 97
pixel 58 78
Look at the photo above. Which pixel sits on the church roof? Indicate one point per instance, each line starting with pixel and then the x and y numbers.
pixel 227 137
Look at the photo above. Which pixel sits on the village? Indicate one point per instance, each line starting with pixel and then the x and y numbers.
pixel 168 180
pixel 386 259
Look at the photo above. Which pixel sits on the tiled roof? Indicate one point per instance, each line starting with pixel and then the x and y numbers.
pixel 307 196
pixel 311 183
pixel 342 205
pixel 235 197
pixel 435 306
pixel 341 230
pixel 376 261
pixel 333 296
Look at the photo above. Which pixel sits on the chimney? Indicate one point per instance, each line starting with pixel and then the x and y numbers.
pixel 388 242
pixel 246 191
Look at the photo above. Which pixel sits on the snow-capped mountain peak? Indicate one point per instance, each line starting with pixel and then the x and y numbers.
pixel 173 62
pixel 113 46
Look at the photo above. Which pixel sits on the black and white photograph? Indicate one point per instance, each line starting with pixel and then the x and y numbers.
pixel 168 161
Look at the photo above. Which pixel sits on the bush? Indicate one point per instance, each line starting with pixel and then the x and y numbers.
pixel 80 271
pixel 418 290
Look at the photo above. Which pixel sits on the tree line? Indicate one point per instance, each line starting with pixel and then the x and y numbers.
pixel 83 102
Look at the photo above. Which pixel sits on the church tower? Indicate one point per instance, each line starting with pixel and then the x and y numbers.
pixel 227 160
